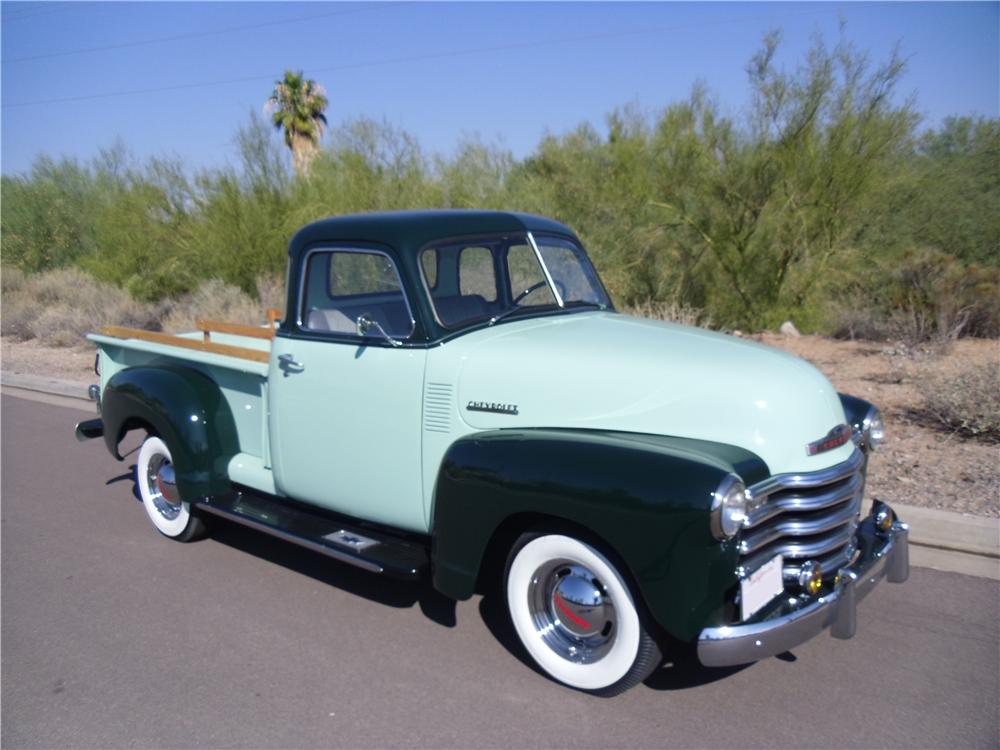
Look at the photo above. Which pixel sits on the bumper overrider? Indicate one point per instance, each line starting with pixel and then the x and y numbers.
pixel 795 621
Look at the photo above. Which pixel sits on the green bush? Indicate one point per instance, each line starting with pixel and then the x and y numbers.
pixel 821 204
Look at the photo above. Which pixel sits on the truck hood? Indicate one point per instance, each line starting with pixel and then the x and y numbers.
pixel 607 371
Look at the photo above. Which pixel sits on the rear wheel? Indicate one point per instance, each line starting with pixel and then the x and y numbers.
pixel 157 482
pixel 576 616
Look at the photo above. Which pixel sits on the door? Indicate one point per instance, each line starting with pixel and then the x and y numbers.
pixel 345 407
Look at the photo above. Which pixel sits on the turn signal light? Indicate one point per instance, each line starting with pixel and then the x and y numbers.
pixel 811 578
pixel 883 519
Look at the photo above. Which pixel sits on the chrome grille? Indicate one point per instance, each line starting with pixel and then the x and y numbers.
pixel 805 517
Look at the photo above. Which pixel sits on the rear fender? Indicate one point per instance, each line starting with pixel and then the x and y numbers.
pixel 184 407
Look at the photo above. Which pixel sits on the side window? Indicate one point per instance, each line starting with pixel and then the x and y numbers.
pixel 341 285
pixel 429 264
pixel 476 274
pixel 524 272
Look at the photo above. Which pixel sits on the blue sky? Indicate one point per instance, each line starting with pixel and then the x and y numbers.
pixel 507 72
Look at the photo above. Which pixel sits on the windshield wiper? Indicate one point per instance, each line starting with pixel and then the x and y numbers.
pixel 511 310
pixel 578 303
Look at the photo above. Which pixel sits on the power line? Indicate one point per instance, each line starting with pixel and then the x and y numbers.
pixel 197 34
pixel 405 59
pixel 18 15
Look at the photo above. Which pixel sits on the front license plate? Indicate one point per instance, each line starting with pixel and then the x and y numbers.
pixel 760 587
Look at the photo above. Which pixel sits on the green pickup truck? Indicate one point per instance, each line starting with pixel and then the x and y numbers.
pixel 452 394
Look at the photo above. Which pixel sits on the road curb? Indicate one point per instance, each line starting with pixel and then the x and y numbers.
pixel 42 384
pixel 943 540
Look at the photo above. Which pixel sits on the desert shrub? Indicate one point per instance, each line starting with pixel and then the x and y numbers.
pixel 271 291
pixel 920 297
pixel 60 307
pixel 967 402
pixel 11 279
pixel 674 312
pixel 213 300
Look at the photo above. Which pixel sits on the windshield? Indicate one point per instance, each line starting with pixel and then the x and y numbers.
pixel 494 278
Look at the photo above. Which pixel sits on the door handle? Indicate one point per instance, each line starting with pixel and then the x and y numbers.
pixel 289 363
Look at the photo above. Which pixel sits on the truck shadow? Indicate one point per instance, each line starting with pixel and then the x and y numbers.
pixel 680 669
pixel 382 589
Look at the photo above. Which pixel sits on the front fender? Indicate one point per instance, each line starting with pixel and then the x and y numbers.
pixel 647 497
pixel 185 408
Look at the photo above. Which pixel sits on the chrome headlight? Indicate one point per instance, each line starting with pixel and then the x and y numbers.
pixel 729 507
pixel 873 428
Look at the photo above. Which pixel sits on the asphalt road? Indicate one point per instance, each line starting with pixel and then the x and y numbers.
pixel 114 636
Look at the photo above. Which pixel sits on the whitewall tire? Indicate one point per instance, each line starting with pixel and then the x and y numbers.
pixel 574 613
pixel 170 515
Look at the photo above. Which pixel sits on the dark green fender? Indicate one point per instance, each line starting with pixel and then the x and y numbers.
pixel 646 497
pixel 187 410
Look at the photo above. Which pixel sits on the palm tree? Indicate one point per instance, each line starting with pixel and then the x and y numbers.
pixel 297 105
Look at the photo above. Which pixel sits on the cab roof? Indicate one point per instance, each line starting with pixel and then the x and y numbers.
pixel 408 231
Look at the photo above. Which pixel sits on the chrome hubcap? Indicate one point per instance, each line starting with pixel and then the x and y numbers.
pixel 162 486
pixel 571 611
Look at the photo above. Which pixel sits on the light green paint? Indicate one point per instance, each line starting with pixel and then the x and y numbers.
pixel 363 430
pixel 614 372
pixel 345 432
pixel 241 381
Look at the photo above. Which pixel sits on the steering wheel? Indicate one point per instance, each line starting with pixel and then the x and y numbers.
pixel 529 290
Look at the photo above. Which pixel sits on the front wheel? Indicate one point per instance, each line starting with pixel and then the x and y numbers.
pixel 576 616
pixel 170 515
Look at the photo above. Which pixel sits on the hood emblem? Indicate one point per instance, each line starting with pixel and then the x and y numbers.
pixel 492 408
pixel 833 439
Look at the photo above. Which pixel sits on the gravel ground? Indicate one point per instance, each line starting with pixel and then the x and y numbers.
pixel 920 465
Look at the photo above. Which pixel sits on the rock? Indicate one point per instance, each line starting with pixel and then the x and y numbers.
pixel 788 329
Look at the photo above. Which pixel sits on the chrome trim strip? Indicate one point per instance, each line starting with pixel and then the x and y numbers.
pixel 799 550
pixel 545 270
pixel 753 541
pixel 809 479
pixel 803 503
pixel 741 644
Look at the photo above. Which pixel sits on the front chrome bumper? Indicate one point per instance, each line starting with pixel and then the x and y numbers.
pixel 883 556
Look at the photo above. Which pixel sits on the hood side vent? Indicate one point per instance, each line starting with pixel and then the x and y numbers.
pixel 438 407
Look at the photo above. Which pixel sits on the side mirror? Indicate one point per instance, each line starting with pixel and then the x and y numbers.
pixel 367 326
pixel 365 323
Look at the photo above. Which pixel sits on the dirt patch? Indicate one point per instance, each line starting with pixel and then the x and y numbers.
pixel 920 464
pixel 33 358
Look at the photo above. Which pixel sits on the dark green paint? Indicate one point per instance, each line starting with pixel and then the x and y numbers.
pixel 646 497
pixel 402 234
pixel 187 410
pixel 855 410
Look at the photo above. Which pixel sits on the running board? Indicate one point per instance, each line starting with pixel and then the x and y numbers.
pixel 364 548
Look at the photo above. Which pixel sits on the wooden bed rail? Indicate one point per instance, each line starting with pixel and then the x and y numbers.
pixel 170 339
pixel 218 326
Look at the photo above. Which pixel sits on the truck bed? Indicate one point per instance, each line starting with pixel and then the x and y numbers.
pixel 236 362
